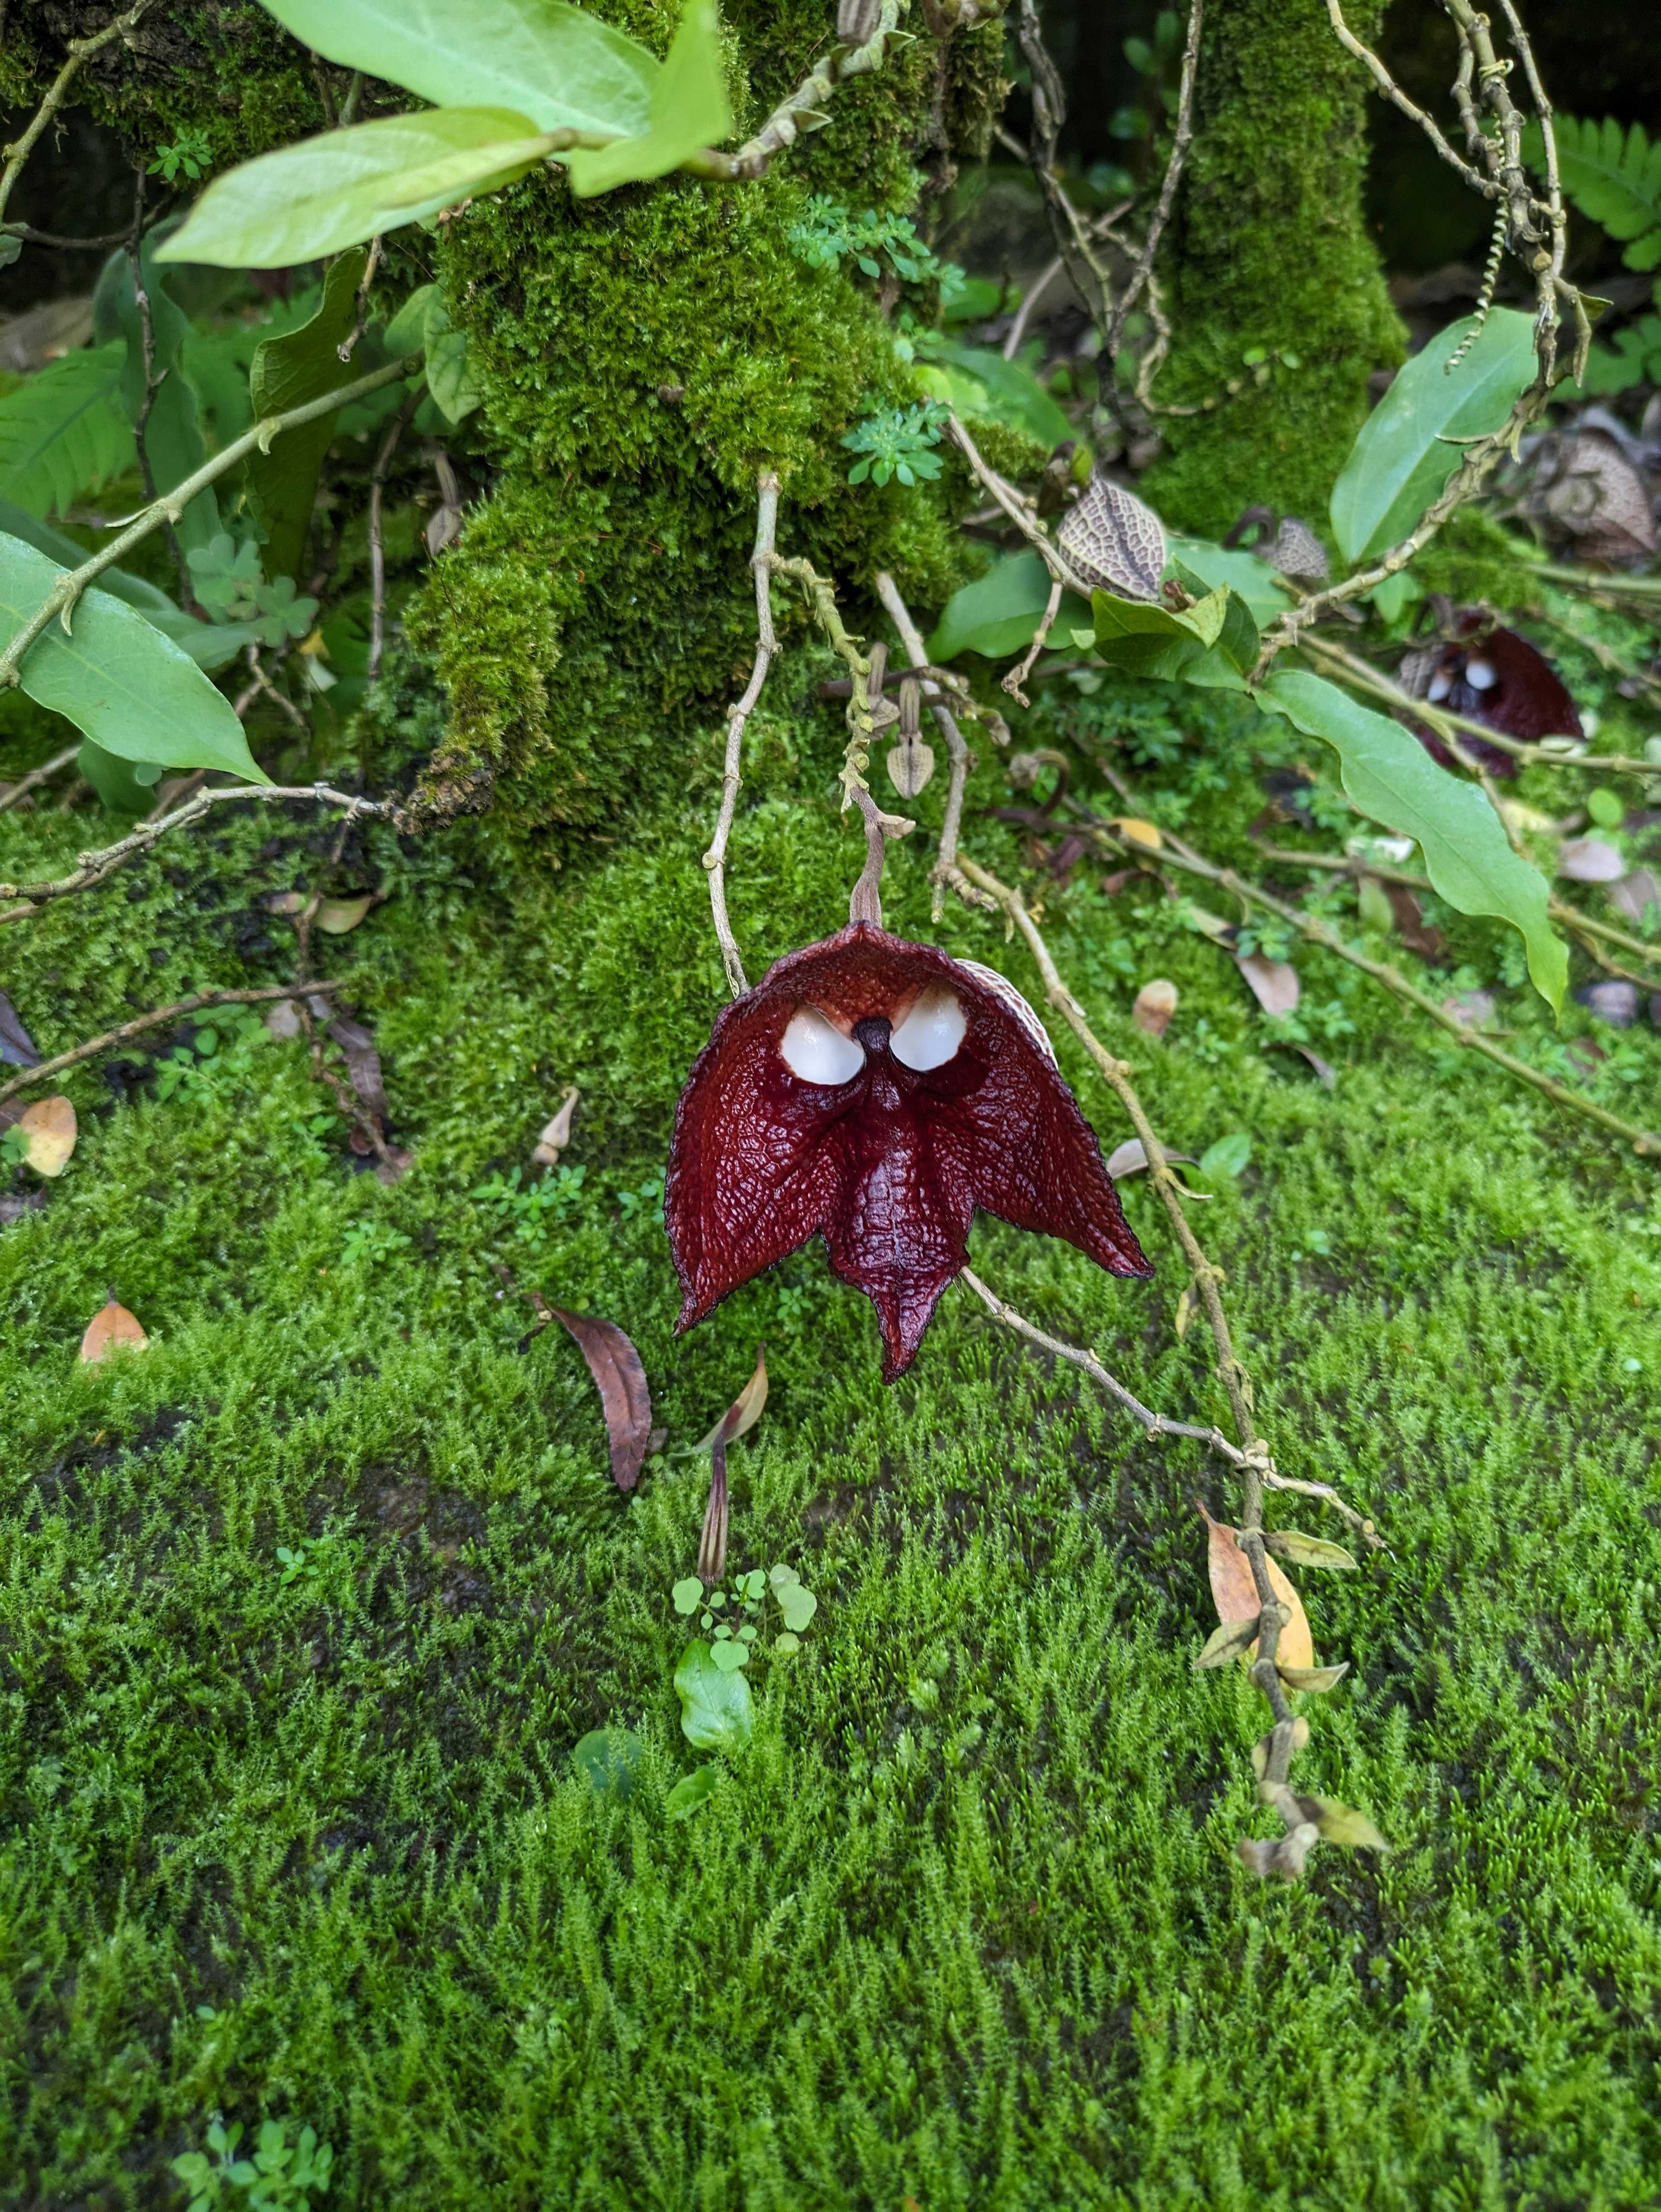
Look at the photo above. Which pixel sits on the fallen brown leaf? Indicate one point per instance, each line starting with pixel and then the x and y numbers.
pixel 362 1065
pixel 1130 1156
pixel 621 1381
pixel 50 1127
pixel 110 1330
pixel 745 1409
pixel 1234 1594
pixel 1590 861
pixel 1274 983
pixel 1415 932
pixel 1156 1002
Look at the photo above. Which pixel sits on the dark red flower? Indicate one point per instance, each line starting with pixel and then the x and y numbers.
pixel 876 1092
pixel 1495 677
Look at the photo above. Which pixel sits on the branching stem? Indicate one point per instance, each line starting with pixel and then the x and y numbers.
pixel 158 1019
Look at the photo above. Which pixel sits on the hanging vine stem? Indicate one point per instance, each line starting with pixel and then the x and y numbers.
pixel 767 646
pixel 383 463
pixel 1182 137
pixel 1255 1463
pixel 945 871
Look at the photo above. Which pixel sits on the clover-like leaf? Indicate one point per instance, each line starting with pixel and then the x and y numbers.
pixel 875 1092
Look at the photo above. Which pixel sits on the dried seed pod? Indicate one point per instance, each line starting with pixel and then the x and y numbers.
pixel 1113 543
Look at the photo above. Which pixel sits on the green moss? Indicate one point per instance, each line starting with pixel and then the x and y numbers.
pixel 1269 250
pixel 1473 558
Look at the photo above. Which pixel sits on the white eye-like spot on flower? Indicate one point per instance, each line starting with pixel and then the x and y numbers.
pixel 1481 675
pixel 814 1049
pixel 930 1033
pixel 1440 686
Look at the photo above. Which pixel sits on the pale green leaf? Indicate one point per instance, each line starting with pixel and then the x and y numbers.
pixel 1393 780
pixel 63 432
pixel 324 194
pixel 116 678
pixel 559 65
pixel 1250 579
pixel 798 1607
pixel 1231 1641
pixel 691 1792
pixel 1342 1824
pixel 977 382
pixel 456 391
pixel 689 110
pixel 687 1596
pixel 1313 1677
pixel 1307 1551
pixel 715 1711
pixel 1401 460
pixel 406 334
pixel 609 1756
pixel 728 1654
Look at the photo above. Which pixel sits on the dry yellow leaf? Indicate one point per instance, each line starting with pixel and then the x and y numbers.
pixel 50 1127
pixel 111 1328
pixel 1135 832
pixel 336 916
pixel 1235 1595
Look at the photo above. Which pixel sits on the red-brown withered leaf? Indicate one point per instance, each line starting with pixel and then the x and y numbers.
pixel 1495 677
pixel 876 1092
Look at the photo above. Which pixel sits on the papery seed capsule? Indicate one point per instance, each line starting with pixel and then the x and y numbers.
pixel 856 22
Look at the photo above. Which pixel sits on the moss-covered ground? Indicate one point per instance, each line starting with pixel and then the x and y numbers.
pixel 964 1926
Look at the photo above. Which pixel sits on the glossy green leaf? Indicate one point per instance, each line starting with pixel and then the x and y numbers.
pixel 609 1756
pixel 715 1711
pixel 456 391
pixel 63 432
pixel 210 645
pixel 116 678
pixel 288 371
pixel 1394 780
pixel 691 1793
pixel 324 194
pixel 1400 459
pixel 1228 1157
pixel 688 111
pixel 999 612
pixel 559 65
pixel 1143 639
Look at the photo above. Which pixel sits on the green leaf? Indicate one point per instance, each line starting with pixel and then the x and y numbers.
pixel 715 1711
pixel 315 198
pixel 1307 1551
pixel 1250 579
pixel 1231 1641
pixel 210 645
pixel 287 372
pixel 1613 177
pixel 978 382
pixel 116 678
pixel 1393 780
pixel 687 1595
pixel 174 448
pixel 728 1654
pixel 559 65
pixel 691 1792
pixel 1400 461
pixel 406 334
pixel 609 1756
pixel 688 111
pixel 798 1607
pixel 118 782
pixel 63 432
pixel 1143 639
pixel 454 389
pixel 1228 1157
pixel 999 612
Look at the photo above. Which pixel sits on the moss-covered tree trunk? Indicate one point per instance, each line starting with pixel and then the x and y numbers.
pixel 1270 256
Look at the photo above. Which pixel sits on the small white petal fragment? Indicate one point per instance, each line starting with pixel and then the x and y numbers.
pixel 930 1033
pixel 816 1051
pixel 1479 675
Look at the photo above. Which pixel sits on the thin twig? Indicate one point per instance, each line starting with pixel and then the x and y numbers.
pixel 1022 668
pixel 1392 92
pixel 78 51
pixel 1255 1461
pixel 395 430
pixel 767 645
pixel 1019 510
pixel 945 869
pixel 1011 344
pixel 170 508
pixel 37 776
pixel 30 236
pixel 1074 242
pixel 348 345
pixel 158 1019
pixel 1181 139
pixel 96 867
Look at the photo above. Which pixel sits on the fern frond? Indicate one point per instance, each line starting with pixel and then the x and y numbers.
pixel 1612 175
pixel 63 432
